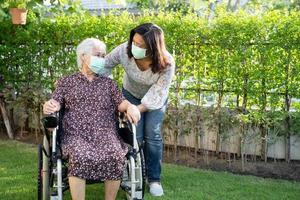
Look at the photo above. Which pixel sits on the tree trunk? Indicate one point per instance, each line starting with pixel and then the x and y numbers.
pixel 262 126
pixel 212 8
pixel 228 6
pixel 264 146
pixel 196 143
pixel 6 120
pixel 287 110
pixel 219 107
pixel 175 145
pixel 244 109
pixel 236 5
pixel 243 155
pixel 10 112
pixel 245 93
pixel 237 100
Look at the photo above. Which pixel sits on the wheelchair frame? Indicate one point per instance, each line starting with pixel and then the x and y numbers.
pixel 52 168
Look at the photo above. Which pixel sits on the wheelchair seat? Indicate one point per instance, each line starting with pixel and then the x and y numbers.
pixel 53 169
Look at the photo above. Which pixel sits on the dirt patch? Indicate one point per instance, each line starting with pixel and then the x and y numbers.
pixel 25 137
pixel 277 169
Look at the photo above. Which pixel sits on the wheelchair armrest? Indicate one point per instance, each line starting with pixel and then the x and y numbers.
pixel 50 121
pixel 125 129
pixel 126 135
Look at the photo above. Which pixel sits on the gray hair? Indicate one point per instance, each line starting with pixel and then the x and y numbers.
pixel 86 47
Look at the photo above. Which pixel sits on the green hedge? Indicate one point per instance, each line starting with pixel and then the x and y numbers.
pixel 249 61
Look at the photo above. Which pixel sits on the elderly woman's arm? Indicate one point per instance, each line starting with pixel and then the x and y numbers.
pixel 54 104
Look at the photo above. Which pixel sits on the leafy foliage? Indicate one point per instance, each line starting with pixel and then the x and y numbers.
pixel 247 62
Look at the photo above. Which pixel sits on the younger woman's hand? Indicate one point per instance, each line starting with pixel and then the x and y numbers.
pixel 133 114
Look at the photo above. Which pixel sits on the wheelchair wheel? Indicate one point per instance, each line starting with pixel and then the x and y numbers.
pixel 143 165
pixel 40 168
pixel 133 182
pixel 43 175
pixel 43 186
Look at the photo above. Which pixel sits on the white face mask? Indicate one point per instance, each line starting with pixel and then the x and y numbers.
pixel 138 52
pixel 97 64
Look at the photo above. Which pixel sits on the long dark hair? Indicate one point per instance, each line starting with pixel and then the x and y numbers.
pixel 153 36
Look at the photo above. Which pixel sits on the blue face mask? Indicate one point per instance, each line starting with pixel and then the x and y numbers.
pixel 138 52
pixel 97 65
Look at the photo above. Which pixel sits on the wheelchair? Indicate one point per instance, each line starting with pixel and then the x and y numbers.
pixel 53 167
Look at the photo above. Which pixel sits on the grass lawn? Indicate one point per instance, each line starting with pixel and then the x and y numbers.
pixel 18 169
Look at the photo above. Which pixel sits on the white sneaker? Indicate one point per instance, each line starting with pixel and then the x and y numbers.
pixel 156 189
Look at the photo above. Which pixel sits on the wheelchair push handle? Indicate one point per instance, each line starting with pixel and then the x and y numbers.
pixel 50 121
pixel 126 129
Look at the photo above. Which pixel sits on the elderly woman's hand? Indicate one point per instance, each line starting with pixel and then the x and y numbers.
pixel 51 106
pixel 133 114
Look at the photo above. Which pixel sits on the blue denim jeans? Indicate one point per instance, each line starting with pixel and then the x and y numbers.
pixel 149 133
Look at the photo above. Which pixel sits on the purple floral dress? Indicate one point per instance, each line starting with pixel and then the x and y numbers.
pixel 90 140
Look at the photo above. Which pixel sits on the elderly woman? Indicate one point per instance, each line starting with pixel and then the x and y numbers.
pixel 90 139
